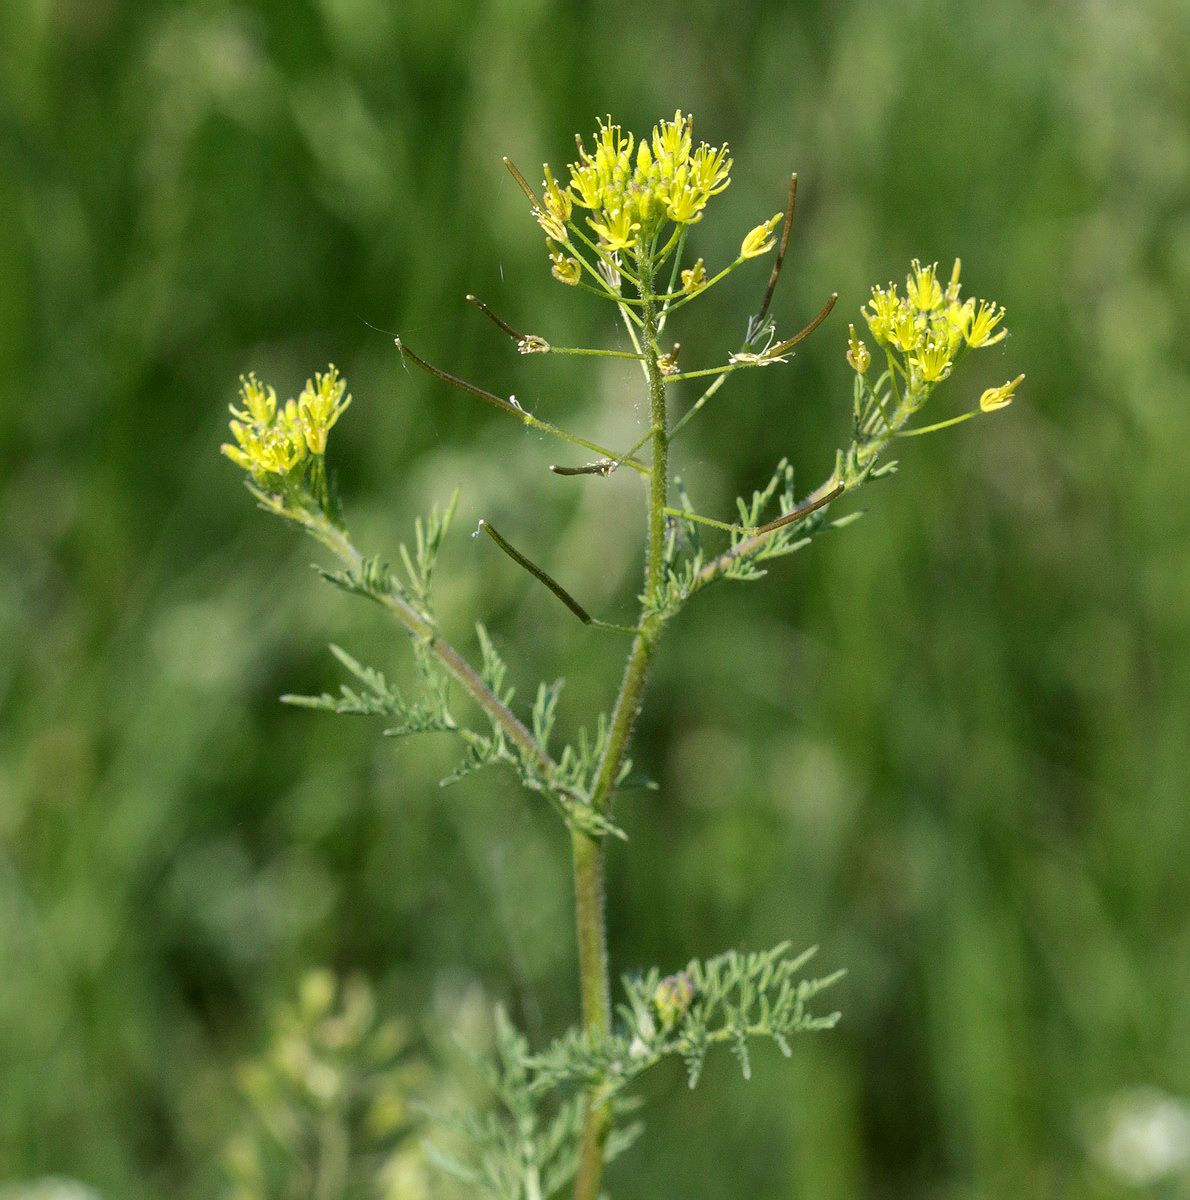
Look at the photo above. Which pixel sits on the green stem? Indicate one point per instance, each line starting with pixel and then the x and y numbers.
pixel 330 1182
pixel 592 353
pixel 819 498
pixel 714 524
pixel 938 425
pixel 726 369
pixel 588 851
pixel 601 254
pixel 511 406
pixel 697 405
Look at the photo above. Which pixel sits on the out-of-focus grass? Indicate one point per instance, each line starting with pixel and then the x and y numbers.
pixel 949 743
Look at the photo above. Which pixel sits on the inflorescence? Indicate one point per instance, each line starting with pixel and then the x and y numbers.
pixel 630 197
pixel 272 440
pixel 632 191
pixel 927 331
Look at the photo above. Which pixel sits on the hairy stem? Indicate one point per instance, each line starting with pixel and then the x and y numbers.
pixel 588 851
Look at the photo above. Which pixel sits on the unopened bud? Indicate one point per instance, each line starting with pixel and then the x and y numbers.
pixel 857 353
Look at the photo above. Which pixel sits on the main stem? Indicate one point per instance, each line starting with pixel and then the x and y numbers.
pixel 588 851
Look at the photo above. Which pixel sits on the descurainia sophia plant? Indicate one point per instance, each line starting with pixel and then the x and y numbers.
pixel 617 229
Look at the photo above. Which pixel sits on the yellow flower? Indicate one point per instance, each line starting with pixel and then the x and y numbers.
pixel 555 197
pixel 985 319
pixel 671 142
pixel 884 305
pixel 565 270
pixel 950 323
pixel 684 206
pixel 265 450
pixel 999 397
pixel 260 403
pixel 289 418
pixel 905 332
pixel 617 231
pixel 922 287
pixel 319 406
pixel 282 448
pixel 273 441
pixel 857 353
pixel 585 185
pixel 246 453
pixel 613 149
pixel 557 205
pixel 760 240
pixel 694 279
pixel 550 225
pixel 598 179
pixel 710 170
pixel 927 331
pixel 932 363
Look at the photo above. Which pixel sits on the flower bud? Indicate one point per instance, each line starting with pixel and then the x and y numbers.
pixel 857 353
pixel 694 279
pixel 999 397
pixel 565 270
pixel 760 240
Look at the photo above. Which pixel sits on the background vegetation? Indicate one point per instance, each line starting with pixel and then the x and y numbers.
pixel 949 744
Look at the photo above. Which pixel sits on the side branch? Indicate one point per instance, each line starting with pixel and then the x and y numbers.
pixel 831 490
pixel 511 406
pixel 533 343
pixel 337 541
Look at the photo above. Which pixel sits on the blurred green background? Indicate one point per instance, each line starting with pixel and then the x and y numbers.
pixel 950 744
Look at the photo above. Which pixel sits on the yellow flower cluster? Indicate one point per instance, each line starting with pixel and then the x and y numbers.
pixel 272 439
pixel 631 189
pixel 924 333
pixel 929 326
